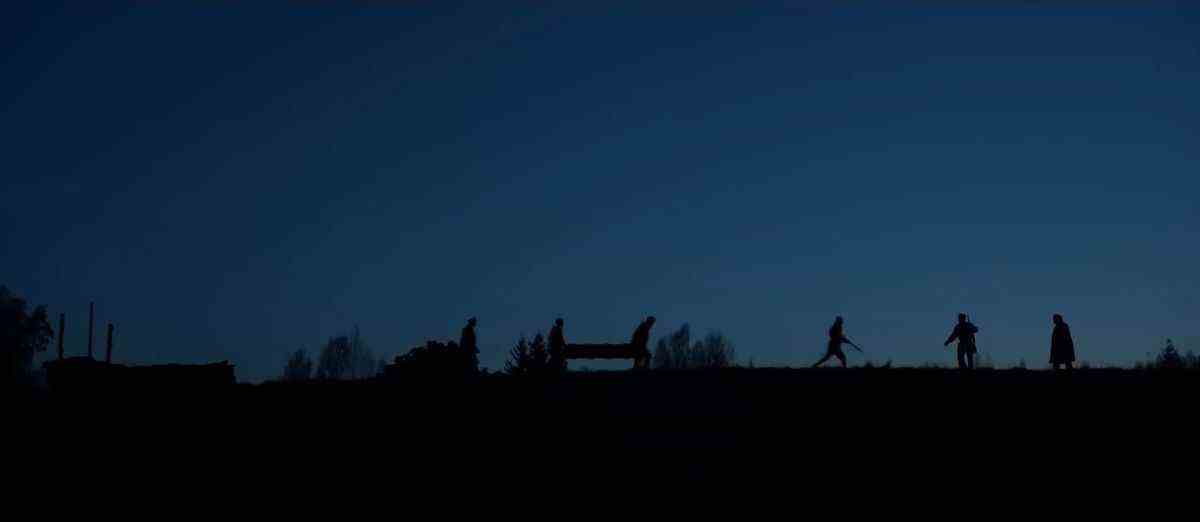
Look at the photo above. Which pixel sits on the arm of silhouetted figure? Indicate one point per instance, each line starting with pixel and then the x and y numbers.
pixel 953 336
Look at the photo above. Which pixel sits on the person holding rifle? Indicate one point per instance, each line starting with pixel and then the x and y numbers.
pixel 837 337
pixel 964 332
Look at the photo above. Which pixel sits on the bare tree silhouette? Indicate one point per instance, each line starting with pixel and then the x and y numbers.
pixel 299 367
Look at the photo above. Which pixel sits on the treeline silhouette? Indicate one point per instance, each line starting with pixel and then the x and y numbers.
pixel 676 351
pixel 1170 358
pixel 345 356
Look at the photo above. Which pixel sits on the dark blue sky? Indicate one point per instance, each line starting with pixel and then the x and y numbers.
pixel 232 182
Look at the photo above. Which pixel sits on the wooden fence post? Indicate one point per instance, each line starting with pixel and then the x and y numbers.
pixel 91 321
pixel 108 351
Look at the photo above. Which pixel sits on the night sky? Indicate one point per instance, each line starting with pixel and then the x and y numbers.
pixel 234 181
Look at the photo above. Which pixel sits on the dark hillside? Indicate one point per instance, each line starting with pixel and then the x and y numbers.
pixel 881 430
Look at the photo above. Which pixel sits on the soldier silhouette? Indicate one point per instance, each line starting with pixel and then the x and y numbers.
pixel 558 346
pixel 1062 346
pixel 836 338
pixel 964 332
pixel 467 340
pixel 641 343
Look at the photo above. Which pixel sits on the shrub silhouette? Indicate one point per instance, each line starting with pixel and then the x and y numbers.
pixel 435 359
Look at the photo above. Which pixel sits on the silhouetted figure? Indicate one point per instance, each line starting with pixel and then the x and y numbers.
pixel 558 346
pixel 641 343
pixel 964 332
pixel 467 342
pixel 1062 347
pixel 837 337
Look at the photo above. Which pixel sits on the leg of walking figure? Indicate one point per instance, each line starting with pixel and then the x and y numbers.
pixel 962 361
pixel 970 361
pixel 843 359
pixel 822 361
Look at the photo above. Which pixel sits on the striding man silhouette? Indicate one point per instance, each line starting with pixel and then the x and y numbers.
pixel 837 337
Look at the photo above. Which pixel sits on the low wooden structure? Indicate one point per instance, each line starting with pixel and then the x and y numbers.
pixel 640 356
pixel 87 374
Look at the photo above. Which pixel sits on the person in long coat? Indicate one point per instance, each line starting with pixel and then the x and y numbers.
pixel 1062 346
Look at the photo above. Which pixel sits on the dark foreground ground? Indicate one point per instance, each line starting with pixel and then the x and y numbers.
pixel 936 433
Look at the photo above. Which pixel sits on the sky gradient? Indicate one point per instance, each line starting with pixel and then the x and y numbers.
pixel 235 182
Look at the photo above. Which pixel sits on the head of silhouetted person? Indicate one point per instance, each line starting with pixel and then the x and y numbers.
pixel 558 322
pixel 650 320
pixel 1058 319
pixel 838 320
pixel 962 318
pixel 471 322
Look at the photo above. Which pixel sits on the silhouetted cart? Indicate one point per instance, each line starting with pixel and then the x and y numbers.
pixel 639 356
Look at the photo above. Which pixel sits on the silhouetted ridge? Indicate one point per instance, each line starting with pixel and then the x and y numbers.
pixel 85 373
